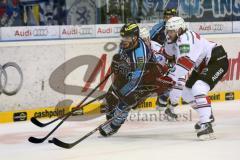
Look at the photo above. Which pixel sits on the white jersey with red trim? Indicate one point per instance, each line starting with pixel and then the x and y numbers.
pixel 171 49
pixel 190 51
pixel 157 50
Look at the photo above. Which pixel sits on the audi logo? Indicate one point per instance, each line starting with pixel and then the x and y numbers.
pixel 217 27
pixel 4 79
pixel 85 31
pixel 40 32
pixel 117 29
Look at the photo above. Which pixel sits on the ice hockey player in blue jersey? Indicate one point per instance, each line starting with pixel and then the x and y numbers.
pixel 157 31
pixel 133 81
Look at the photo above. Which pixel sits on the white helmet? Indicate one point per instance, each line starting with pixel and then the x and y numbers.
pixel 144 33
pixel 175 23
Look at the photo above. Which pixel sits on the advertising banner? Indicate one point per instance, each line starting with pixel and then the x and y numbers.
pixel 29 33
pixel 211 27
pixel 77 31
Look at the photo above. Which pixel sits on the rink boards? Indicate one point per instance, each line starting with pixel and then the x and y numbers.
pixel 51 112
pixel 59 74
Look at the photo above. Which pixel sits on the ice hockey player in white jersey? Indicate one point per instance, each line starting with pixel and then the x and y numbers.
pixel 159 57
pixel 156 49
pixel 207 63
pixel 169 100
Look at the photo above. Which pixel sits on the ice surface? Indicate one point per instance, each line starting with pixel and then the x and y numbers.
pixel 137 139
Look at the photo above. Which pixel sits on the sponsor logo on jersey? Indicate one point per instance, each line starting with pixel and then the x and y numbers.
pixel 185 48
pixel 220 58
pixel 20 116
pixel 140 59
pixel 140 62
pixel 217 74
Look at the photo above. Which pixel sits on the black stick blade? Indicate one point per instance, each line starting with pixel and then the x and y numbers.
pixel 36 140
pixel 37 122
pixel 60 143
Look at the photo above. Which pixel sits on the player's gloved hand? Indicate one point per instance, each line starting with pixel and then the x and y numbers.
pixel 166 80
pixel 115 63
pixel 165 83
pixel 165 69
pixel 120 66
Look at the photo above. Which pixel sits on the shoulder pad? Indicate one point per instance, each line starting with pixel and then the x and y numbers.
pixel 155 44
pixel 156 47
pixel 184 38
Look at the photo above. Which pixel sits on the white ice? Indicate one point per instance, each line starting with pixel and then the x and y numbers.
pixel 141 140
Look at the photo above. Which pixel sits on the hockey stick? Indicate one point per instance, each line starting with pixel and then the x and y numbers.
pixel 40 124
pixel 70 145
pixel 40 140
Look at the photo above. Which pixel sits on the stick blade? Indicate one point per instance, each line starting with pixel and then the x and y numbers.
pixel 59 143
pixel 37 122
pixel 36 140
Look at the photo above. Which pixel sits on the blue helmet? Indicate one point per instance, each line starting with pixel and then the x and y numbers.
pixel 157 32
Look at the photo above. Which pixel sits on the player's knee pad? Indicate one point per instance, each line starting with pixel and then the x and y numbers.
pixel 202 101
pixel 200 88
pixel 174 96
pixel 187 95
pixel 203 107
pixel 176 92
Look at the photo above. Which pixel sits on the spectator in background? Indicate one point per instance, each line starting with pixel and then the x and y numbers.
pixel 10 13
pixel 114 19
pixel 32 12
pixel 53 12
pixel 169 13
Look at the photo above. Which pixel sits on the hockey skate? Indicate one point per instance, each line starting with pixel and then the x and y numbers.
pixel 170 113
pixel 108 130
pixel 197 126
pixel 206 132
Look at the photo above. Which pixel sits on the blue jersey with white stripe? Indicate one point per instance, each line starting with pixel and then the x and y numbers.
pixel 138 59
